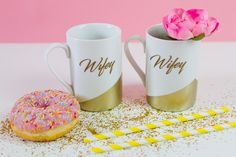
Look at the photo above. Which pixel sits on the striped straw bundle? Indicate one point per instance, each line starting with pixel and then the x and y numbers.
pixel 159 124
pixel 163 137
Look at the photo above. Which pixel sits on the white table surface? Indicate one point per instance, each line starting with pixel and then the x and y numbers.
pixel 22 70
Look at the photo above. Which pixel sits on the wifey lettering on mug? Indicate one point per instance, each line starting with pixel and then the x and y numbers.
pixel 100 66
pixel 169 63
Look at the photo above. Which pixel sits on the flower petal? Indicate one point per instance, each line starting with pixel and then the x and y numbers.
pixel 175 15
pixel 212 25
pixel 165 22
pixel 199 28
pixel 184 34
pixel 196 14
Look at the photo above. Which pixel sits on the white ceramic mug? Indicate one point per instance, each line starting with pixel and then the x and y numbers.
pixel 171 67
pixel 94 51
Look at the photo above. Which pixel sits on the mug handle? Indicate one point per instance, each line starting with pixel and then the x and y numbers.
pixel 50 49
pixel 131 59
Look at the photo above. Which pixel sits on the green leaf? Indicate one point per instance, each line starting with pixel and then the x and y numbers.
pixel 199 37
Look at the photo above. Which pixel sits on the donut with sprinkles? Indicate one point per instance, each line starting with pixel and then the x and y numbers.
pixel 44 115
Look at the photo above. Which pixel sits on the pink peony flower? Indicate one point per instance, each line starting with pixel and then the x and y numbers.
pixel 190 24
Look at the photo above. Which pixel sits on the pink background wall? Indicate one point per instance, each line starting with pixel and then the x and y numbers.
pixel 47 20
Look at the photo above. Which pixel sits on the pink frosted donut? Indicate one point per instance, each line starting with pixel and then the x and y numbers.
pixel 44 115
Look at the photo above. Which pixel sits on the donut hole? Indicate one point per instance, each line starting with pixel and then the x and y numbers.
pixel 42 102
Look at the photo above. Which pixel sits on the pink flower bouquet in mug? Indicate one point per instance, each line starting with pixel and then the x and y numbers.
pixel 192 24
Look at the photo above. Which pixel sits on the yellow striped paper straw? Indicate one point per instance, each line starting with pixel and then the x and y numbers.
pixel 163 137
pixel 163 123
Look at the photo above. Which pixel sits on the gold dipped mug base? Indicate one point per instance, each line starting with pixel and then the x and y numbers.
pixel 106 101
pixel 180 100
